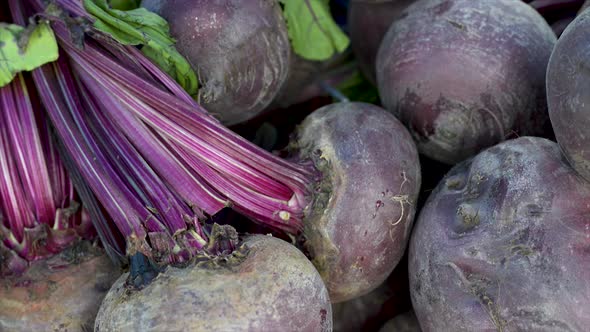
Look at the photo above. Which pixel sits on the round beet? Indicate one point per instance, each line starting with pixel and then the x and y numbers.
pixel 62 293
pixel 266 285
pixel 368 21
pixel 503 244
pixel 359 222
pixel 568 86
pixel 239 49
pixel 463 75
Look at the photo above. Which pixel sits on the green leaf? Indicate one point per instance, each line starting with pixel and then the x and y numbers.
pixel 142 27
pixel 25 49
pixel 358 88
pixel 314 34
pixel 124 4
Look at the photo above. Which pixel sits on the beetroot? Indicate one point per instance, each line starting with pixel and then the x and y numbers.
pixel 463 75
pixel 568 81
pixel 239 49
pixel 266 285
pixel 368 22
pixel 362 212
pixel 503 244
pixel 62 293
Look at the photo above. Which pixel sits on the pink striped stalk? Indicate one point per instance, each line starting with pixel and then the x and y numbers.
pixel 39 212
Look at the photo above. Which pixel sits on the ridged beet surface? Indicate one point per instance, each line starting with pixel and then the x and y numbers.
pixel 363 210
pixel 503 244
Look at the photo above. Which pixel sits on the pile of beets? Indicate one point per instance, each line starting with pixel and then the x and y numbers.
pixel 297 165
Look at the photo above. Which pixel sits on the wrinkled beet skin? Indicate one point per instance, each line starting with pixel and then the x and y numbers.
pixel 368 22
pixel 462 74
pixel 503 244
pixel 274 289
pixel 372 165
pixel 568 93
pixel 57 294
pixel 239 48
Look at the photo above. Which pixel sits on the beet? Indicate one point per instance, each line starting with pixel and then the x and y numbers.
pixel 362 212
pixel 463 75
pixel 568 81
pixel 266 285
pixel 239 49
pixel 61 293
pixel 503 244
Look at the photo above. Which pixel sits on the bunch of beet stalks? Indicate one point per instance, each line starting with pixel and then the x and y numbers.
pixel 151 167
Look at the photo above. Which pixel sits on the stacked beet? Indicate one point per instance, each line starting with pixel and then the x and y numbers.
pixel 443 110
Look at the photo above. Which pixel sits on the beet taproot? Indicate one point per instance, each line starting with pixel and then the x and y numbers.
pixel 239 49
pixel 568 81
pixel 61 293
pixel 358 224
pixel 265 285
pixel 463 75
pixel 503 244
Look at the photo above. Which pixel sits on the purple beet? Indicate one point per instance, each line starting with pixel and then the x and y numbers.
pixel 60 293
pixel 265 285
pixel 503 244
pixel 239 49
pixel 463 75
pixel 358 223
pixel 568 81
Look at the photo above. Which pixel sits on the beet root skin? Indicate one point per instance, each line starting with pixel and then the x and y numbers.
pixel 568 83
pixel 464 75
pixel 358 224
pixel 239 49
pixel 502 244
pixel 368 23
pixel 60 293
pixel 274 288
